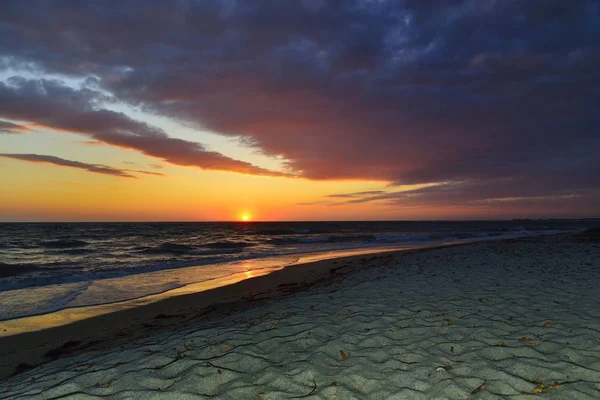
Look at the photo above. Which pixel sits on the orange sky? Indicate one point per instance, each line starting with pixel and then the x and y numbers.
pixel 38 191
pixel 47 192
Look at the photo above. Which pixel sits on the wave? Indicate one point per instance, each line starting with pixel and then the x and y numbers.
pixel 405 238
pixel 275 232
pixel 64 244
pixel 228 245
pixel 10 283
pixel 289 231
pixel 73 252
pixel 10 270
pixel 205 250
pixel 18 245
pixel 20 303
pixel 322 239
pixel 176 247
pixel 168 248
pixel 368 240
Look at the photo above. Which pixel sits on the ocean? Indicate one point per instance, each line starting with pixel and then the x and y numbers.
pixel 46 267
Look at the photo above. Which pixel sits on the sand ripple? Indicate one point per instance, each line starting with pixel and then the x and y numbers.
pixel 516 319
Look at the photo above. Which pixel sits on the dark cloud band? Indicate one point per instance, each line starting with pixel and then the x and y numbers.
pixel 10 128
pixel 53 104
pixel 99 169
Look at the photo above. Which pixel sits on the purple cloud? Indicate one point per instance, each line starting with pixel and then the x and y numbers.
pixel 145 172
pixel 99 169
pixel 357 194
pixel 52 104
pixel 10 128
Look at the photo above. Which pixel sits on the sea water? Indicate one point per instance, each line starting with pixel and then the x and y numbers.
pixel 46 267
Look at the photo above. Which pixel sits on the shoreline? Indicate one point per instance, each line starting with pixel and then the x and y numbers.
pixel 131 330
pixel 73 330
pixel 208 284
pixel 70 313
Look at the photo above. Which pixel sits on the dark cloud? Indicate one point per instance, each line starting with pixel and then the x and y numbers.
pixel 498 194
pixel 89 142
pixel 51 103
pixel 357 194
pixel 408 91
pixel 320 202
pixel 10 128
pixel 99 169
pixel 146 172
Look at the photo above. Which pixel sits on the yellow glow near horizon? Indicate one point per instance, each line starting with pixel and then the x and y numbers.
pixel 46 192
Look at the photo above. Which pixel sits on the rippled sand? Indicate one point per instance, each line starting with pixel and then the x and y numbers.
pixel 513 319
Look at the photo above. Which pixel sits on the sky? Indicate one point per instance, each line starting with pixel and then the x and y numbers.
pixel 209 110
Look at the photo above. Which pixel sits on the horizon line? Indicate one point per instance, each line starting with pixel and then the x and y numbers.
pixel 301 221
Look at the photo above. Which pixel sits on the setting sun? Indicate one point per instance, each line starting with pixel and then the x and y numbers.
pixel 245 218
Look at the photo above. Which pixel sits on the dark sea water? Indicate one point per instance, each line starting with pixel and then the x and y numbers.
pixel 49 266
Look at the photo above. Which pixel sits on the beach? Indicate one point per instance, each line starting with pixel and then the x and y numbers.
pixel 515 318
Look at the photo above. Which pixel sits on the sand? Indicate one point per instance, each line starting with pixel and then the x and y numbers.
pixel 491 320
